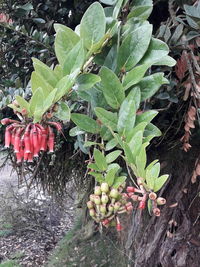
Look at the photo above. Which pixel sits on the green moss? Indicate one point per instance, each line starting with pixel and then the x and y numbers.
pixel 77 249
pixel 9 263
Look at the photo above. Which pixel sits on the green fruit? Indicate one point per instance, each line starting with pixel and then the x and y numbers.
pixel 97 191
pixel 110 207
pixel 92 212
pixel 90 205
pixel 117 206
pixel 104 198
pixel 103 208
pixel 104 187
pixel 97 200
pixel 92 197
pixel 114 193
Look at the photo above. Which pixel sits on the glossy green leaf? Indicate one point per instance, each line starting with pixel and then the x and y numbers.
pixel 159 182
pixel 140 127
pixel 93 166
pixel 134 47
pixel 98 177
pixel 58 70
pixel 112 88
pixel 135 144
pixel 152 174
pixel 63 112
pixel 74 59
pixel 135 95
pixel 111 144
pixel 110 176
pixel 49 100
pixel 93 25
pixel 87 80
pixel 128 153
pixel 108 2
pixel 141 160
pixel 37 100
pixel 38 81
pixel 100 160
pixel 107 118
pixel 141 9
pixel 43 70
pixel 75 131
pixel 127 114
pixel 149 85
pixel 156 50
pixel 113 156
pixel 166 61
pixel 85 123
pixel 63 86
pixel 65 40
pixel 119 181
pixel 147 116
pixel 23 103
pixel 150 132
pixel 134 76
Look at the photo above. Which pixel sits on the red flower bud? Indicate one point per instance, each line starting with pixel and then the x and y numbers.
pixel 142 205
pixel 161 201
pixel 152 196
pixel 130 189
pixel 105 222
pixel 119 227
pixel 156 212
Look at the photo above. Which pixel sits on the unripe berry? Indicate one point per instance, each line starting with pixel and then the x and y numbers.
pixel 97 200
pixel 104 187
pixel 161 201
pixel 117 206
pixel 104 198
pixel 152 196
pixel 90 205
pixel 156 212
pixel 103 208
pixel 92 197
pixel 114 193
pixel 97 190
pixel 92 212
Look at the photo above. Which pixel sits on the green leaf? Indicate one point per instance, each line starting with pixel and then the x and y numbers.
pixel 166 61
pixel 135 144
pixel 141 160
pixel 23 103
pixel 159 182
pixel 63 86
pixel 93 25
pixel 152 173
pixel 107 118
pixel 111 144
pixel 43 70
pixel 49 100
pixel 156 50
pixel 65 40
pixel 63 112
pixel 146 116
pixel 134 76
pixel 100 160
pixel 127 113
pixel 141 9
pixel 140 127
pixel 98 176
pixel 85 123
pixel 89 143
pixel 38 81
pixel 105 133
pixel 58 70
pixel 93 166
pixel 74 59
pixel 112 88
pixel 119 181
pixel 117 9
pixel 135 95
pixel 149 206
pixel 75 131
pixel 134 47
pixel 113 156
pixel 149 85
pixel 108 2
pixel 128 153
pixel 87 80
pixel 37 100
pixel 151 131
pixel 110 176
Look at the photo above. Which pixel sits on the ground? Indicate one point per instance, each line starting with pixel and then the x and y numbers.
pixel 31 223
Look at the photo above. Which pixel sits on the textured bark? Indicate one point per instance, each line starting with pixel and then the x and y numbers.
pixel 157 241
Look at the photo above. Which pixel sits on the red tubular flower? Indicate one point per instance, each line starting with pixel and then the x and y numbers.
pixel 36 146
pixel 30 157
pixel 43 146
pixel 19 157
pixel 8 137
pixel 50 142
pixel 119 227
pixel 105 222
pixel 26 156
pixel 17 140
pixel 142 205
pixel 130 189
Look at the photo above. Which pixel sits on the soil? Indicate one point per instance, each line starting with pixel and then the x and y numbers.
pixel 31 223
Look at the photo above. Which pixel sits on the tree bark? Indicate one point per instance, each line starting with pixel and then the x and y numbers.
pixel 173 239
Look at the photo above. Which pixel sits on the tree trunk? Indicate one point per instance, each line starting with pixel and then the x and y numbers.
pixel 173 239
